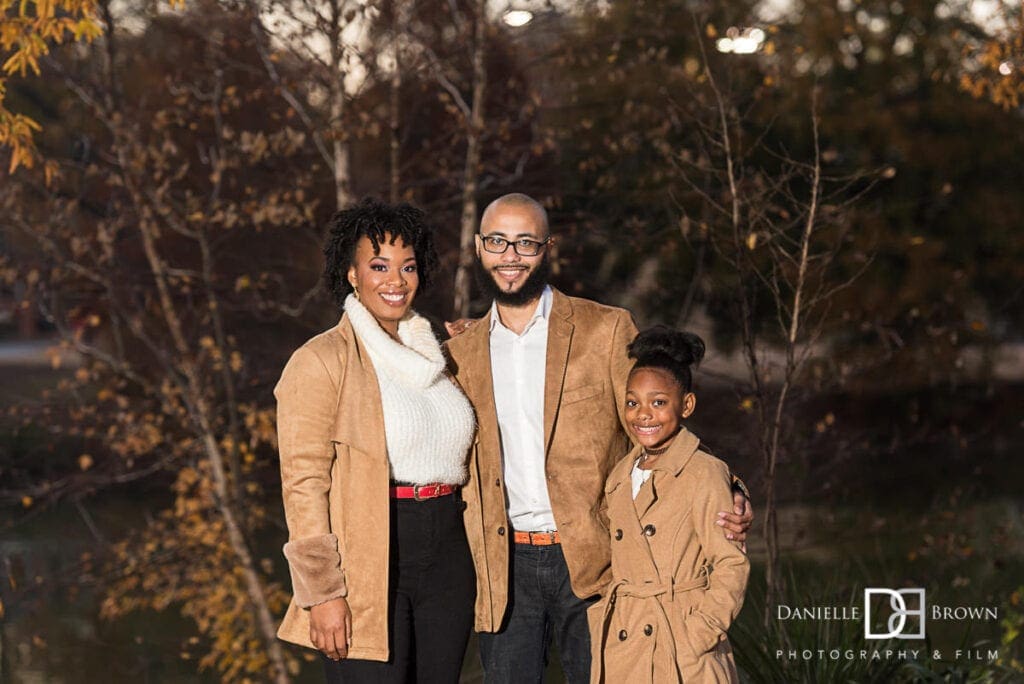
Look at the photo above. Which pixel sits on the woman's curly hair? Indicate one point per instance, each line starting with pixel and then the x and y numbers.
pixel 379 222
pixel 668 349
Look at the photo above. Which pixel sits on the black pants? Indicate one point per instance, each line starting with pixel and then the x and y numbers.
pixel 431 590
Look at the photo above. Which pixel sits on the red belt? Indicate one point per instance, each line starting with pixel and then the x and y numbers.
pixel 422 492
pixel 537 538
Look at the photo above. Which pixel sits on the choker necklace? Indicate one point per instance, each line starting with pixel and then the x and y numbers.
pixel 647 453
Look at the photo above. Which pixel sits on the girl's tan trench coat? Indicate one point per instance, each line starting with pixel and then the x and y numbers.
pixel 677 582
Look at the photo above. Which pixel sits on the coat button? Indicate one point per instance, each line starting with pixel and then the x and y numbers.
pixel 648 630
pixel 501 531
pixel 497 483
pixel 622 635
pixel 649 530
pixel 618 534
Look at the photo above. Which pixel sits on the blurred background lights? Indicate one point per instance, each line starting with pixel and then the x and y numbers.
pixel 1006 68
pixel 741 41
pixel 517 17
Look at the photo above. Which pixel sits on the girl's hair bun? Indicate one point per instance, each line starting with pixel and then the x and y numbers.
pixel 668 349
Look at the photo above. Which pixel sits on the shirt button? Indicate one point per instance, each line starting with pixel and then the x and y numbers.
pixel 618 535
pixel 622 635
pixel 649 530
pixel 501 531
pixel 648 630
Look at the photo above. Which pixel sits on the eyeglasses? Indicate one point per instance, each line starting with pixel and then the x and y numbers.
pixel 522 246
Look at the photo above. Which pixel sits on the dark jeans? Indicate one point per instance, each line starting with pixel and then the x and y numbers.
pixel 541 602
pixel 431 590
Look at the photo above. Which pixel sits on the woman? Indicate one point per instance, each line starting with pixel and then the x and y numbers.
pixel 677 582
pixel 373 437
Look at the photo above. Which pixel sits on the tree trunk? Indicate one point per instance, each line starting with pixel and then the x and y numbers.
pixel 339 142
pixel 199 411
pixel 342 194
pixel 471 172
pixel 793 332
pixel 397 37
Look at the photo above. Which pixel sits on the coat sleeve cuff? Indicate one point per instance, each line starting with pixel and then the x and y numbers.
pixel 315 565
pixel 739 485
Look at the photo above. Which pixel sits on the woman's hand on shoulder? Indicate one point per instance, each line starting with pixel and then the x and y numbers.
pixel 330 628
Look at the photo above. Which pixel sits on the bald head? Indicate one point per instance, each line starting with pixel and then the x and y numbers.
pixel 518 202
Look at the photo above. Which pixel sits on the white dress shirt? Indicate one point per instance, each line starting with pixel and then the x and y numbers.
pixel 518 363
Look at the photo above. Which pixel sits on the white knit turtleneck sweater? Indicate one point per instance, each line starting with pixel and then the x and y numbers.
pixel 428 422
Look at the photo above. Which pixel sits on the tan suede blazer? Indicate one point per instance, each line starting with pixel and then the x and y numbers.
pixel 677 582
pixel 334 480
pixel 584 386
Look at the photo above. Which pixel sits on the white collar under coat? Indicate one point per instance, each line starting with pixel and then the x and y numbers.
pixel 541 313
pixel 416 362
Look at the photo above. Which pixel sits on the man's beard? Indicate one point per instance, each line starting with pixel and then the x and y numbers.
pixel 531 289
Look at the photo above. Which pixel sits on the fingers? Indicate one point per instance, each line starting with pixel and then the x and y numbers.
pixel 743 507
pixel 333 650
pixel 341 642
pixel 333 644
pixel 734 525
pixel 739 503
pixel 458 327
pixel 348 631
pixel 330 628
pixel 319 643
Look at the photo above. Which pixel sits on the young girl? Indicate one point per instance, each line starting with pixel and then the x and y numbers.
pixel 677 582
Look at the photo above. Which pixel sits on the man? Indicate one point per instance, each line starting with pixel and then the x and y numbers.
pixel 546 374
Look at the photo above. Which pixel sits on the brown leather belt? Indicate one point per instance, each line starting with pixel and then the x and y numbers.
pixel 422 492
pixel 537 538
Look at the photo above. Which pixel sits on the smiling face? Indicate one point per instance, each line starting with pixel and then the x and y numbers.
pixel 510 272
pixel 385 280
pixel 656 406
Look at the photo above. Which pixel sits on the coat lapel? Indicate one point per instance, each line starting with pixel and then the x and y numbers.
pixel 360 413
pixel 621 507
pixel 669 465
pixel 645 498
pixel 560 329
pixel 474 373
pixel 470 354
pixel 683 447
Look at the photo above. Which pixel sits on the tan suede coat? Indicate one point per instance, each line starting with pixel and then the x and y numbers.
pixel 677 582
pixel 334 479
pixel 585 380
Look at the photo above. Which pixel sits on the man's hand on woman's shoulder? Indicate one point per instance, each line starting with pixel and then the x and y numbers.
pixel 458 327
